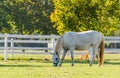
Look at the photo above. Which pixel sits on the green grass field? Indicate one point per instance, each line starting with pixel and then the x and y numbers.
pixel 36 66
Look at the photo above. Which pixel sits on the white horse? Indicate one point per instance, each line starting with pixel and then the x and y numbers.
pixel 89 40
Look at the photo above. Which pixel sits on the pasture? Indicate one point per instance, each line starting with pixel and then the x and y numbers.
pixel 40 66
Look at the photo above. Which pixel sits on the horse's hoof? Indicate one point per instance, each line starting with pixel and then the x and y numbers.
pixel 90 65
pixel 99 65
pixel 59 65
pixel 72 65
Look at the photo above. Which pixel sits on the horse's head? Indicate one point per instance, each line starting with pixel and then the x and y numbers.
pixel 55 59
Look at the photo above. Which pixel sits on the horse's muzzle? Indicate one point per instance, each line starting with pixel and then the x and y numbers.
pixel 55 64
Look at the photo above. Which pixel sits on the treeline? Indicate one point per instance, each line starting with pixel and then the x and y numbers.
pixel 58 16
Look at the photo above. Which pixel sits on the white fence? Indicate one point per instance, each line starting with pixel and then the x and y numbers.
pixel 11 42
pixel 8 42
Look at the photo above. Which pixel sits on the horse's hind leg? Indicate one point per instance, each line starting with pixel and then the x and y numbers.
pixel 63 56
pixel 92 54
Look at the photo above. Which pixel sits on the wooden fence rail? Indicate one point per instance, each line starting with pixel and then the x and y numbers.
pixel 23 42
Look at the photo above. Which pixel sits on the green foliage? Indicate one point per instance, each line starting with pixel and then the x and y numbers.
pixel 82 15
pixel 26 16
pixel 33 16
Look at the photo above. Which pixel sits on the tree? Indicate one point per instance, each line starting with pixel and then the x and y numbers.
pixel 82 15
pixel 5 18
pixel 27 16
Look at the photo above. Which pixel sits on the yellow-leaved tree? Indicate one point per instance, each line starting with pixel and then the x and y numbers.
pixel 83 15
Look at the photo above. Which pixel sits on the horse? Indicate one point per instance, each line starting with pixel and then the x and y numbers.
pixel 87 40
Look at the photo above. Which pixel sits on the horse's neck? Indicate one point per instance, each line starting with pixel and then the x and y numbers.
pixel 59 45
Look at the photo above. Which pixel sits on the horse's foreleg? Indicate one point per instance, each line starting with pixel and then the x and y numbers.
pixel 63 56
pixel 72 56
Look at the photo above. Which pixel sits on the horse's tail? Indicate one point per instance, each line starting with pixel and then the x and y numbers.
pixel 101 53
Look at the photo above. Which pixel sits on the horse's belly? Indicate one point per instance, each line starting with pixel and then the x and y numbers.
pixel 86 47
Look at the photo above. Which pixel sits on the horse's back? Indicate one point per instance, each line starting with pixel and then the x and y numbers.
pixel 96 37
pixel 81 40
pixel 83 35
pixel 90 35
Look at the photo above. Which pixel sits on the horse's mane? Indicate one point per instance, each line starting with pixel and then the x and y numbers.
pixel 59 45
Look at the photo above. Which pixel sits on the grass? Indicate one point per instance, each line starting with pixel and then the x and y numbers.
pixel 37 66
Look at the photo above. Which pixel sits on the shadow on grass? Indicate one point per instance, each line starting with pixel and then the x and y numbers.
pixel 107 61
pixel 112 61
pixel 19 66
pixel 23 65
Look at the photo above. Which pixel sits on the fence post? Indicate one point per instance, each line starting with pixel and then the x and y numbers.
pixel 53 44
pixel 12 46
pixel 5 48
